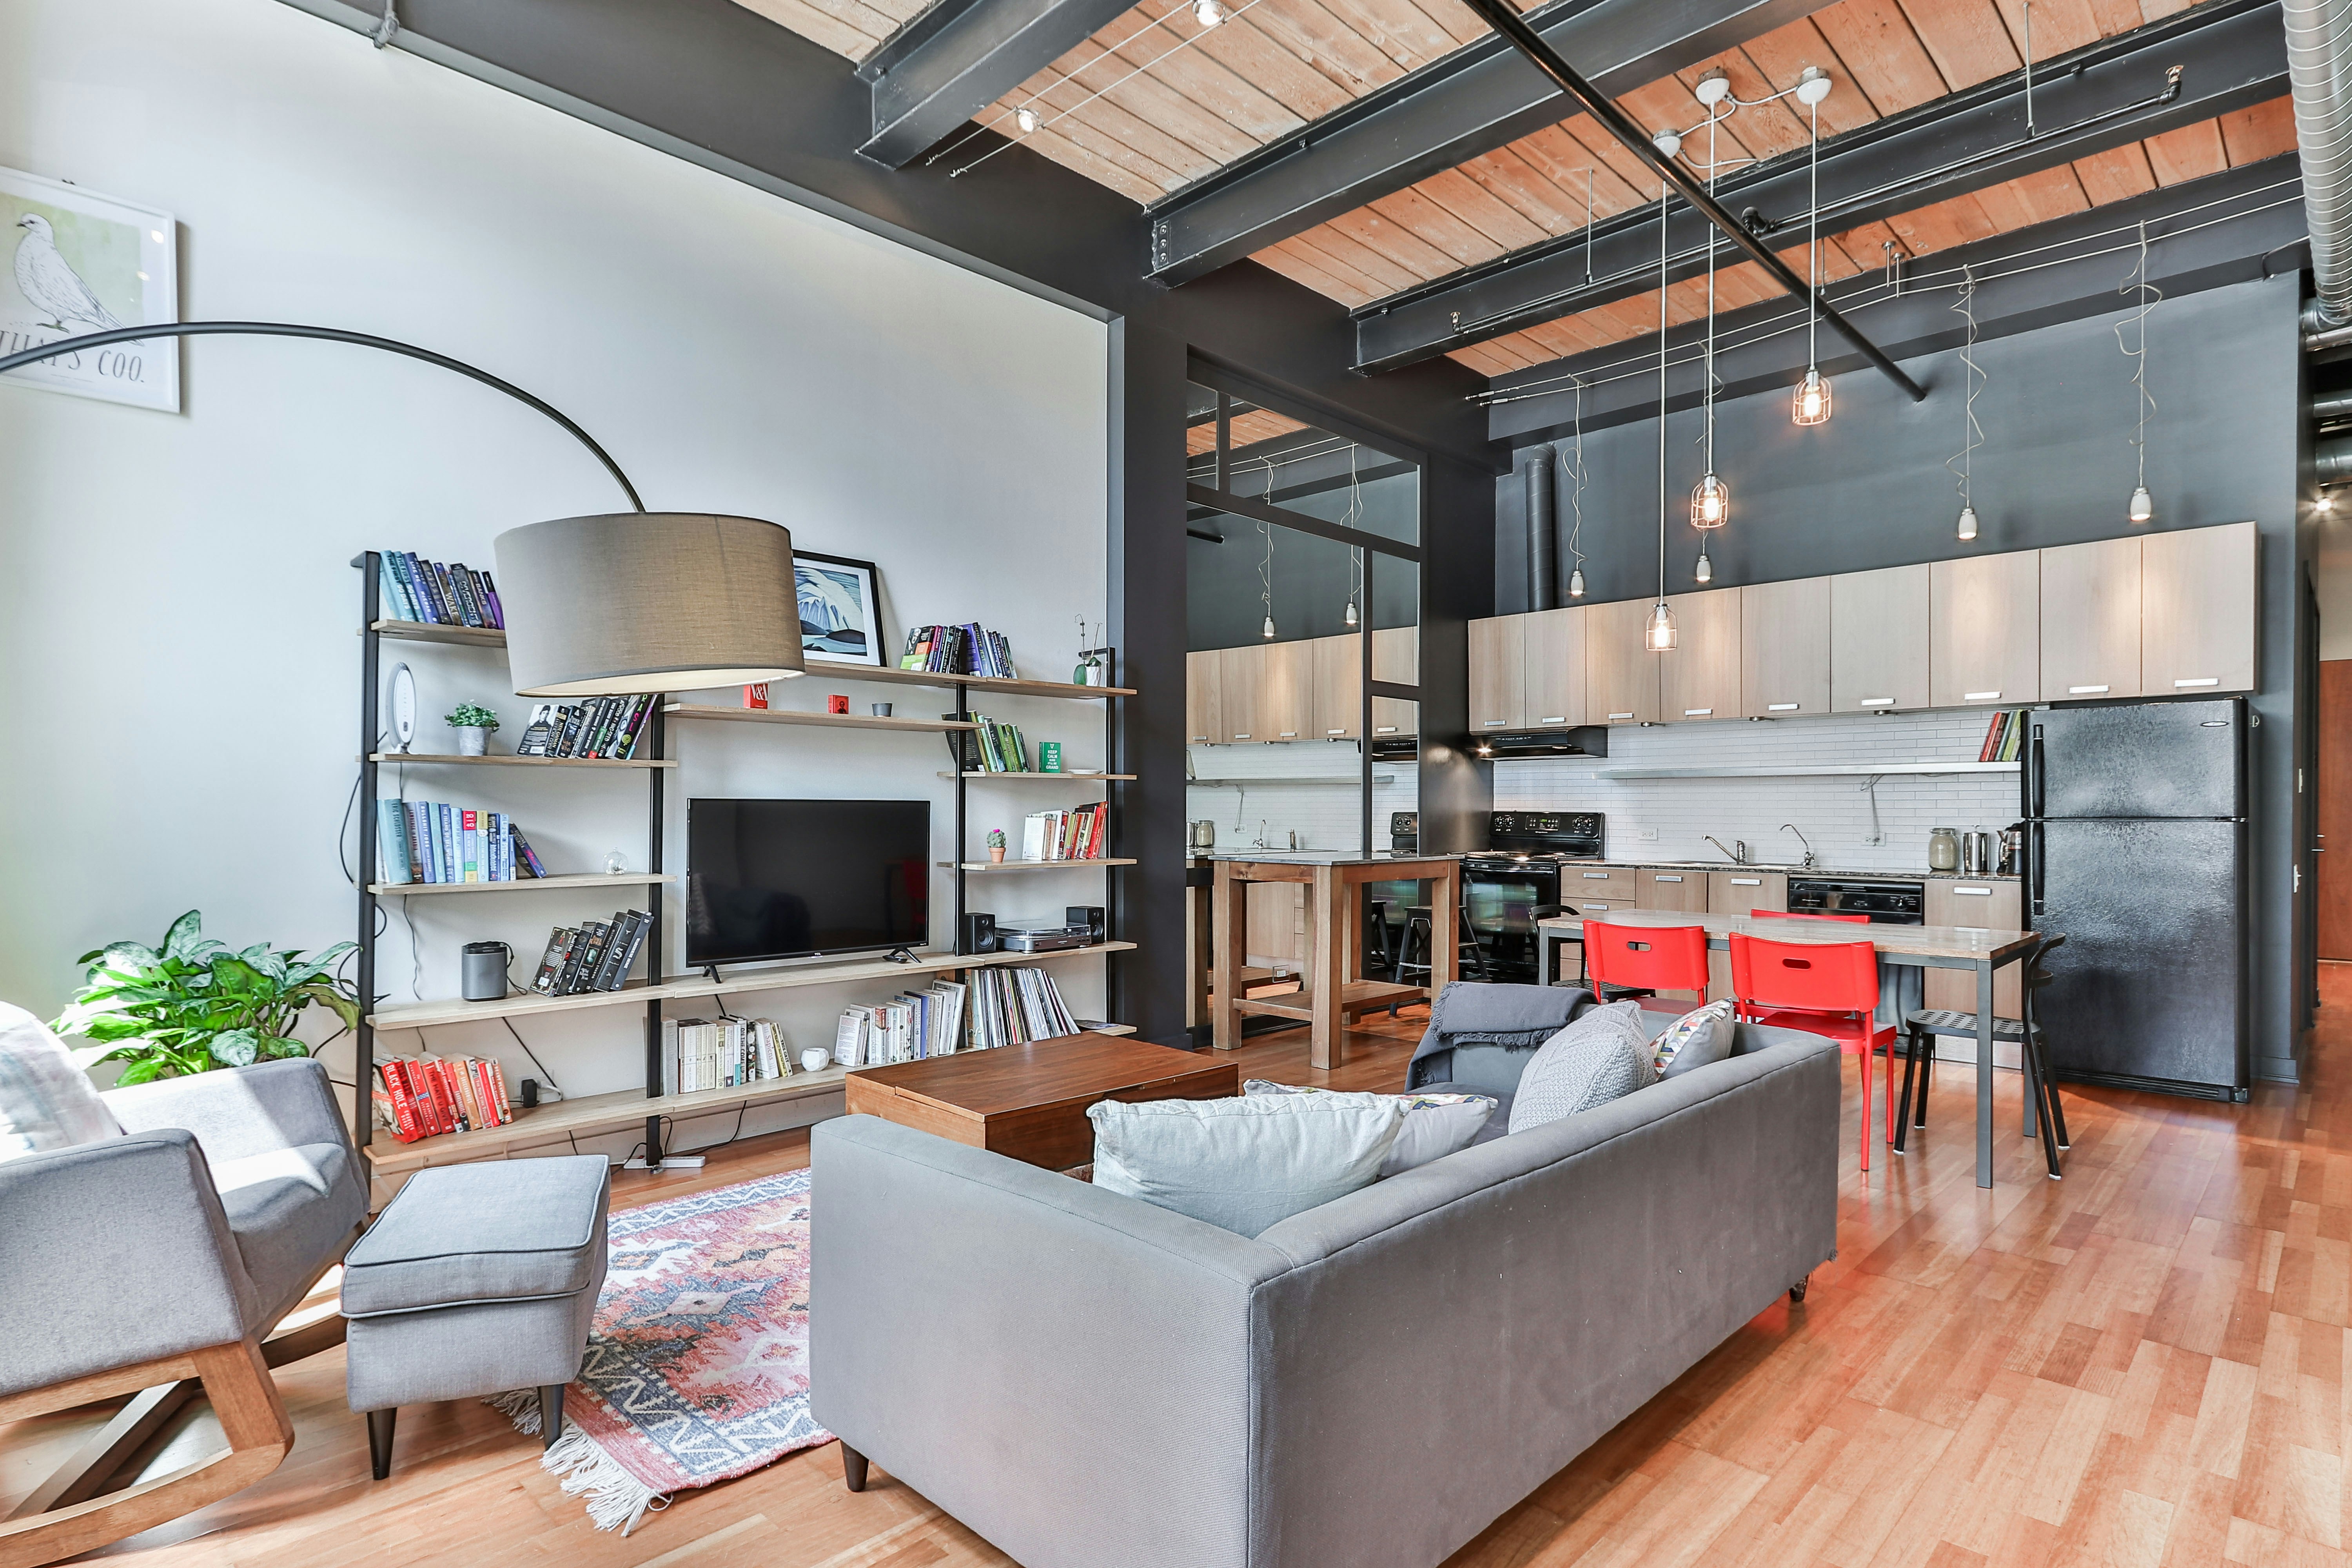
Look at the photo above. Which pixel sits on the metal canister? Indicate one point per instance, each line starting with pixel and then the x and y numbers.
pixel 1976 854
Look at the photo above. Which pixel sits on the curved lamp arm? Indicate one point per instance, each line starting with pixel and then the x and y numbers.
pixel 332 334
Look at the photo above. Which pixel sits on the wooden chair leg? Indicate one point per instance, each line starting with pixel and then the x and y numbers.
pixel 853 1468
pixel 251 1414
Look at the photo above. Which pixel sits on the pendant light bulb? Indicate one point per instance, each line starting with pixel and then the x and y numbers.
pixel 1269 629
pixel 1351 612
pixel 1025 118
pixel 1706 571
pixel 2325 503
pixel 1208 13
pixel 1710 503
pixel 2143 505
pixel 1811 406
pixel 1658 634
pixel 1967 523
pixel 1575 578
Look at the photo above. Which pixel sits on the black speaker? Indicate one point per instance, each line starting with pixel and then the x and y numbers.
pixel 530 1092
pixel 979 933
pixel 1089 916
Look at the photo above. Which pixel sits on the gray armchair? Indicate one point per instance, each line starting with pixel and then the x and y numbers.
pixel 164 1256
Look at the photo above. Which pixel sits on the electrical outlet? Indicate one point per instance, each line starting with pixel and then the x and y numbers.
pixel 1646 835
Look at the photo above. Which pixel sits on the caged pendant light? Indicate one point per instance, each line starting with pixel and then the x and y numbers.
pixel 1710 498
pixel 1812 403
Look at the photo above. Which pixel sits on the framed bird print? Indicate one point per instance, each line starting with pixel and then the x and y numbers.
pixel 84 263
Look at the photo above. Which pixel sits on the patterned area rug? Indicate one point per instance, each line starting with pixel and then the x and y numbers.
pixel 697 1365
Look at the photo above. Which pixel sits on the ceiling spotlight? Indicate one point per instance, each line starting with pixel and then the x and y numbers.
pixel 1025 118
pixel 1967 523
pixel 1813 86
pixel 1670 143
pixel 2143 505
pixel 1575 578
pixel 1713 88
pixel 1208 13
pixel 1658 634
pixel 1710 503
pixel 1813 401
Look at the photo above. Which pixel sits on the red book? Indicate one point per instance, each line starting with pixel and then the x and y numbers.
pixel 499 1082
pixel 478 1071
pixel 394 1095
pixel 444 1081
pixel 428 1103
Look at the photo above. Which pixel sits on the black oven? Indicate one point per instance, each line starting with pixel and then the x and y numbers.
pixel 1515 881
pixel 1886 904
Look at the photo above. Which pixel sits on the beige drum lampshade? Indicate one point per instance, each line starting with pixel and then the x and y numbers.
pixel 648 601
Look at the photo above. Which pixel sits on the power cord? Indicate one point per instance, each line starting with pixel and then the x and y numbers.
pixel 544 1074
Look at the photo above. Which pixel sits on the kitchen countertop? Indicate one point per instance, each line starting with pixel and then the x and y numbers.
pixel 1620 862
pixel 1315 857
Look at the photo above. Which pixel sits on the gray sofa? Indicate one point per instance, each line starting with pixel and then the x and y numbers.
pixel 1085 1379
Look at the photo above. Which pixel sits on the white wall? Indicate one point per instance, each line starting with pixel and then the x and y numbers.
pixel 178 670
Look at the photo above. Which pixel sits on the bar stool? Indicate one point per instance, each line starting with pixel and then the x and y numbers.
pixel 1417 920
pixel 1628 962
pixel 2042 1110
pixel 1378 954
pixel 1829 988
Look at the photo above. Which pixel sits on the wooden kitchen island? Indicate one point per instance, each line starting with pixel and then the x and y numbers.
pixel 1334 991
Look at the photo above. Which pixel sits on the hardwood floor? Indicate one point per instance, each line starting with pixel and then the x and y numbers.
pixel 2145 1364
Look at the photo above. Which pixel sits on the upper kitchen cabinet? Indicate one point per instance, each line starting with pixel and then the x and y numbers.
pixel 1878 639
pixel 1552 694
pixel 1241 675
pixel 1985 621
pixel 2090 619
pixel 1287 701
pixel 1338 711
pixel 1396 659
pixel 1700 678
pixel 1621 683
pixel 2198 602
pixel 1204 722
pixel 1497 673
pixel 1784 639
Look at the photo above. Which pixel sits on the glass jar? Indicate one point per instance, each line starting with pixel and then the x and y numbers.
pixel 1944 849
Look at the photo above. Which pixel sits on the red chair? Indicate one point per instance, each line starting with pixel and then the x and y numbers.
pixel 1830 988
pixel 1628 962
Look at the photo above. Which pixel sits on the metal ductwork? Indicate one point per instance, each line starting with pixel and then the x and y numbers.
pixel 1543 533
pixel 2319 72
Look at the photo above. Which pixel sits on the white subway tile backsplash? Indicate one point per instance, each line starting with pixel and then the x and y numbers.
pixel 1325 813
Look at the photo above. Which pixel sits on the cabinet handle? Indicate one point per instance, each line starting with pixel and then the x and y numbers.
pixel 1698 712
pixel 1203 738
pixel 1494 723
pixel 2200 680
pixel 1598 876
pixel 1240 737
pixel 1290 734
pixel 1384 730
pixel 1972 892
pixel 1979 696
pixel 1748 881
pixel 1555 719
pixel 1621 715
pixel 1339 732
pixel 1666 878
pixel 1602 907
pixel 2086 691
pixel 1781 707
pixel 1878 702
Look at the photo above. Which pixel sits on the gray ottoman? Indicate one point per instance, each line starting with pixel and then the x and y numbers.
pixel 476 1280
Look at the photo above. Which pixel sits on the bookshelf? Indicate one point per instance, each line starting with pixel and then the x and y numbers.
pixel 652 989
pixel 982 867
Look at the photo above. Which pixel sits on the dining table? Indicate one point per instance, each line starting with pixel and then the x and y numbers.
pixel 1911 951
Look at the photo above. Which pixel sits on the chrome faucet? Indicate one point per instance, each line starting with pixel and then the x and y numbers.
pixel 1809 862
pixel 1737 851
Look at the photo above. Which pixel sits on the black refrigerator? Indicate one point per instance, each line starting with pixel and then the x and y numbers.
pixel 2136 851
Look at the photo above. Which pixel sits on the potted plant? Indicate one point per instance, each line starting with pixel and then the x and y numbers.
pixel 996 843
pixel 473 724
pixel 192 1006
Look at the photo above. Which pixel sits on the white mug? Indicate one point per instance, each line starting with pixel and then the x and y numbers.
pixel 816 1058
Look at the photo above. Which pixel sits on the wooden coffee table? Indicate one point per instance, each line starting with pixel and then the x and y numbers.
pixel 1029 1103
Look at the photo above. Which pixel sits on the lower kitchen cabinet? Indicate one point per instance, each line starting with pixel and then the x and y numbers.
pixel 1990 905
pixel 1732 891
pixel 1684 892
pixel 1277 920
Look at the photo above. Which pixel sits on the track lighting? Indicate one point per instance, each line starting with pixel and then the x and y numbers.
pixel 1658 635
pixel 1575 578
pixel 1208 13
pixel 1705 569
pixel 2143 505
pixel 1812 402
pixel 1025 118
pixel 1710 503
pixel 1967 523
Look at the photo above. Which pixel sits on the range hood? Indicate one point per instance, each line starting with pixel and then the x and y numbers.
pixel 1584 740
pixel 1396 749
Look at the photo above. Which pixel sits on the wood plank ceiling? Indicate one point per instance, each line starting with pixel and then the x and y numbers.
pixel 1153 102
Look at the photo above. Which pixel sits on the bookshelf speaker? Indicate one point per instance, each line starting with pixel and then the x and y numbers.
pixel 979 933
pixel 1086 917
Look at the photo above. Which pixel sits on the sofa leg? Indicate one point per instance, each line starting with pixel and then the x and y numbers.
pixel 853 1468
pixel 1797 1291
pixel 380 1441
pixel 551 1414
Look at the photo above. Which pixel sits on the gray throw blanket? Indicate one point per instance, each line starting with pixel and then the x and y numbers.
pixel 1470 1012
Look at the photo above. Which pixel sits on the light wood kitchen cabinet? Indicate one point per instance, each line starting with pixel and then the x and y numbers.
pixel 1204 721
pixel 1552 689
pixel 1685 891
pixel 1240 677
pixel 1497 673
pixel 1339 709
pixel 1879 639
pixel 1396 657
pixel 2198 602
pixel 1599 883
pixel 1285 706
pixel 1621 683
pixel 1784 639
pixel 1732 891
pixel 1277 912
pixel 1700 679
pixel 1984 617
pixel 2090 619
pixel 1990 905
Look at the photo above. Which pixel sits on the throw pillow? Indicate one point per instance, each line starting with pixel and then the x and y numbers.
pixel 46 1101
pixel 1601 1057
pixel 1243 1164
pixel 1436 1125
pixel 1701 1036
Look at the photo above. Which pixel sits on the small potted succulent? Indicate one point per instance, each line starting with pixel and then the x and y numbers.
pixel 473 724
pixel 996 843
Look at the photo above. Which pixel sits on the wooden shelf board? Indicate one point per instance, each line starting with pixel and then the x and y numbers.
pixel 523 884
pixel 1113 1029
pixel 797 716
pixel 425 1014
pixel 973 685
pixel 1356 995
pixel 432 631
pixel 1033 865
pixel 1067 776
pixel 508 758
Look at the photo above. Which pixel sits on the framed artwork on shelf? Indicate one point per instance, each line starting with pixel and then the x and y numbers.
pixel 841 613
pixel 85 263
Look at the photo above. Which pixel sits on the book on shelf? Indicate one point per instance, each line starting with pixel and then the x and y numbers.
pixel 424 1097
pixel 723 1053
pixel 595 956
pixel 1060 834
pixel 2004 739
pixel 454 594
pixel 1002 748
pixel 607 728
pixel 1012 1005
pixel 430 842
pixel 911 1027
pixel 968 649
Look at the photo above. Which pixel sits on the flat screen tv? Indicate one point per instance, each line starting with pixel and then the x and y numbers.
pixel 793 879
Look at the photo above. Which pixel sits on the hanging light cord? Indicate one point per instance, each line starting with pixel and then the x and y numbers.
pixel 2136 281
pixel 1813 244
pixel 1972 434
pixel 1665 192
pixel 1266 572
pixel 1708 393
pixel 1575 493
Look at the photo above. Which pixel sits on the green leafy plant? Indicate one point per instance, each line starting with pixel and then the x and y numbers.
pixel 473 715
pixel 192 1006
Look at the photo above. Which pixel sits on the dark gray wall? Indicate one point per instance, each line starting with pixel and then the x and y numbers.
pixel 1870 490
pixel 1311 576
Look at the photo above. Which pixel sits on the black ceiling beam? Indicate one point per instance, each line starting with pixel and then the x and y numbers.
pixel 1635 139
pixel 1481 97
pixel 959 57
pixel 2097 97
